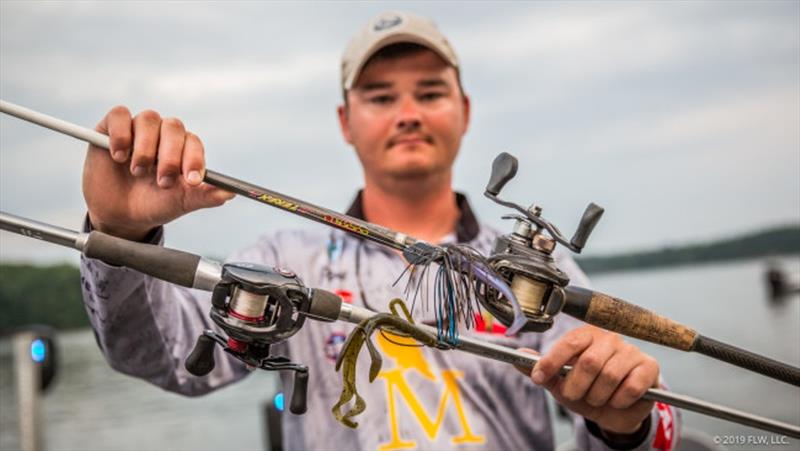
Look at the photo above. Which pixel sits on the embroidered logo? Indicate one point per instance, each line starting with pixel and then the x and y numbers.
pixel 385 23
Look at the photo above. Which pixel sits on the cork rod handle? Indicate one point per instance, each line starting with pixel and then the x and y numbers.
pixel 619 316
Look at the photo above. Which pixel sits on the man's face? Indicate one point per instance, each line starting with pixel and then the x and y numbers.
pixel 405 116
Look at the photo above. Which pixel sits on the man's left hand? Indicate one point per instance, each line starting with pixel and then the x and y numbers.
pixel 607 381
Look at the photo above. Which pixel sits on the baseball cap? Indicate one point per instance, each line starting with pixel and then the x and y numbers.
pixel 392 28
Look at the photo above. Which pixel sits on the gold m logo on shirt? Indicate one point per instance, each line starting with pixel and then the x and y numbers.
pixel 408 356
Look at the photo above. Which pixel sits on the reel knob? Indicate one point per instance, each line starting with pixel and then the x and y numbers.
pixel 298 403
pixel 589 219
pixel 504 168
pixel 201 360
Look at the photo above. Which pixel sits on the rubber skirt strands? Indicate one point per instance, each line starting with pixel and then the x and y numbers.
pixel 457 288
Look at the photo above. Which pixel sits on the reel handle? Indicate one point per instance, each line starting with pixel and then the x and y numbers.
pixel 201 360
pixel 299 391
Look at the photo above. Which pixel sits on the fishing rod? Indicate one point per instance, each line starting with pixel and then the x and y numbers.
pixel 257 306
pixel 519 283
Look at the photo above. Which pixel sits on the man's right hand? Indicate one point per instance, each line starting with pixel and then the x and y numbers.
pixel 152 174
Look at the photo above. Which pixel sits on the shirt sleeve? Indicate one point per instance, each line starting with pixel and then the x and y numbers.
pixel 146 327
pixel 663 427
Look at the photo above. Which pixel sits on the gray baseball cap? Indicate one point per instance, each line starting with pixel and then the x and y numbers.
pixel 392 28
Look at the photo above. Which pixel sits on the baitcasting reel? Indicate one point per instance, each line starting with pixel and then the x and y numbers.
pixel 524 257
pixel 255 306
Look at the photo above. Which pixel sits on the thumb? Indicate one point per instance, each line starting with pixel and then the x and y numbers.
pixel 550 385
pixel 524 370
pixel 206 196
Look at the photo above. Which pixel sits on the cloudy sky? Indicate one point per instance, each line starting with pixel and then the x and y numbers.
pixel 682 119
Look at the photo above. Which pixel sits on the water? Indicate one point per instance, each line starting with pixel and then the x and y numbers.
pixel 92 407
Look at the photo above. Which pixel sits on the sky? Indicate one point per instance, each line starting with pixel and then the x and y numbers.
pixel 682 119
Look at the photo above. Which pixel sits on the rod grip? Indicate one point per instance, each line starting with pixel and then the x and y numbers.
pixel 619 316
pixel 746 359
pixel 325 306
pixel 160 262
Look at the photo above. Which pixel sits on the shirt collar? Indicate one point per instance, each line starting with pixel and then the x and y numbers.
pixel 467 227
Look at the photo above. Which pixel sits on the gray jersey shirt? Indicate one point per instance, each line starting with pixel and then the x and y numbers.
pixel 422 398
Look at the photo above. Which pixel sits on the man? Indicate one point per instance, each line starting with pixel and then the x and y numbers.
pixel 405 113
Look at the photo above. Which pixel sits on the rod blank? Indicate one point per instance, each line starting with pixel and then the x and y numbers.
pixel 76 131
pixel 41 231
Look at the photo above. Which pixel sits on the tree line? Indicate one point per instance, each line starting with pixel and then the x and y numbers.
pixel 772 242
pixel 41 295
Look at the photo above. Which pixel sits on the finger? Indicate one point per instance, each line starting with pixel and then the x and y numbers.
pixel 146 126
pixel 641 408
pixel 117 125
pixel 627 421
pixel 571 344
pixel 193 163
pixel 170 152
pixel 611 376
pixel 630 421
pixel 587 367
pixel 556 387
pixel 635 384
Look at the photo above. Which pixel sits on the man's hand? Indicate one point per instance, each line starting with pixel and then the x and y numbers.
pixel 607 381
pixel 152 174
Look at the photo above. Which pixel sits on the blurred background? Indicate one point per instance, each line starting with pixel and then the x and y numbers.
pixel 682 119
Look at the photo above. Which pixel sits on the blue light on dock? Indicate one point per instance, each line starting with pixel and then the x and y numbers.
pixel 38 350
pixel 279 402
